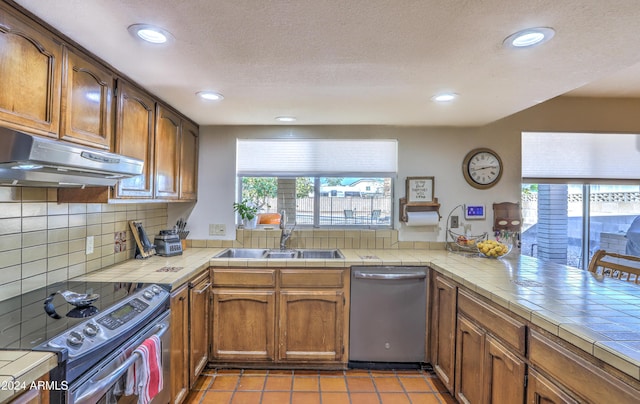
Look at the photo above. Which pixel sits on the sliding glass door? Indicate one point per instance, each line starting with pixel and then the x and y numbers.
pixel 567 223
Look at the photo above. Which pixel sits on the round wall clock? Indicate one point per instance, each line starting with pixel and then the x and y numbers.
pixel 482 168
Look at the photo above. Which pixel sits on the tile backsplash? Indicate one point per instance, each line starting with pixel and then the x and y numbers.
pixel 43 241
pixel 320 238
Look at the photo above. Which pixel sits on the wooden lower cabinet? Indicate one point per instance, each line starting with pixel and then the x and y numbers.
pixel 443 330
pixel 542 391
pixel 580 374
pixel 243 325
pixel 34 396
pixel 179 379
pixel 199 302
pixel 310 327
pixel 504 374
pixel 486 371
pixel 277 316
pixel 469 368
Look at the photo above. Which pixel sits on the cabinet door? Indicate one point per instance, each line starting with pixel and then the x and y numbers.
pixel 469 362
pixel 504 374
pixel 542 391
pixel 189 162
pixel 87 98
pixel 167 152
pixel 443 330
pixel 243 325
pixel 179 345
pixel 135 124
pixel 199 294
pixel 31 71
pixel 311 325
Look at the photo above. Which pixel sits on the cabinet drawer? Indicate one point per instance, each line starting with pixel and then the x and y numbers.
pixel 311 278
pixel 500 325
pixel 244 277
pixel 579 375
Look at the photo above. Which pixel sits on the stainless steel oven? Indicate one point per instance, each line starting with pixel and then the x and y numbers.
pixel 93 328
pixel 105 382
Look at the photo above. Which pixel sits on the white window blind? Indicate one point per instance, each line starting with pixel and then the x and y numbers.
pixel 588 157
pixel 316 157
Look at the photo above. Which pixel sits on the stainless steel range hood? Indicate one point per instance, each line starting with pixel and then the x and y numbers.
pixel 27 160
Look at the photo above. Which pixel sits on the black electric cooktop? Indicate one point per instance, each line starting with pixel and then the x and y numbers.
pixel 35 317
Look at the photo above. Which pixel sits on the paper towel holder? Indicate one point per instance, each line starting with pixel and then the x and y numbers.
pixel 406 207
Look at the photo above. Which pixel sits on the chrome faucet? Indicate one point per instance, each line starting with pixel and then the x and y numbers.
pixel 285 235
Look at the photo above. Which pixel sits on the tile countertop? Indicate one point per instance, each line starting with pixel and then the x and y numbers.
pixel 599 315
pixel 18 369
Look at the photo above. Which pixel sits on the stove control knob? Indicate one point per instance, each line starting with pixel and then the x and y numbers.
pixel 75 339
pixel 156 290
pixel 91 330
pixel 148 295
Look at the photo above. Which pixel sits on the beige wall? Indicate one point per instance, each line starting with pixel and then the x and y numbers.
pixel 428 151
pixel 42 241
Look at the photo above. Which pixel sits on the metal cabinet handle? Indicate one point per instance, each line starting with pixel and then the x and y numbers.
pixel 101 386
pixel 389 277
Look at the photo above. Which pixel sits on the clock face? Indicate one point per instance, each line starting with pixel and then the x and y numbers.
pixel 482 168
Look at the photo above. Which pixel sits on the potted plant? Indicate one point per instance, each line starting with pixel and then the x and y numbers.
pixel 248 213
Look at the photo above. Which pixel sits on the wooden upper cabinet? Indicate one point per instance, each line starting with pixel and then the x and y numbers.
pixel 167 151
pixel 134 137
pixel 87 99
pixel 30 72
pixel 189 161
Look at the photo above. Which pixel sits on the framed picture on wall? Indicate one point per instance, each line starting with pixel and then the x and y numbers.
pixel 420 189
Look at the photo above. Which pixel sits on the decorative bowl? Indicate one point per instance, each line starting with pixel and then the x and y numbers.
pixel 493 249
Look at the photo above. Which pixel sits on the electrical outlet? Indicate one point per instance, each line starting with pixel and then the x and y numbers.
pixel 217 229
pixel 221 229
pixel 454 222
pixel 89 245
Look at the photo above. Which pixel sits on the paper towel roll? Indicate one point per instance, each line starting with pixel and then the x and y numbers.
pixel 422 218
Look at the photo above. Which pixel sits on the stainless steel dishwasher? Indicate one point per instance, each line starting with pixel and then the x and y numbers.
pixel 388 321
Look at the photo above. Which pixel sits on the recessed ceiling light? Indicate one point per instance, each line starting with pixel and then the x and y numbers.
pixel 444 97
pixel 150 33
pixel 529 37
pixel 286 119
pixel 210 95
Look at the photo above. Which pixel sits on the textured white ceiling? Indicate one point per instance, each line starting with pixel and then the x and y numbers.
pixel 359 61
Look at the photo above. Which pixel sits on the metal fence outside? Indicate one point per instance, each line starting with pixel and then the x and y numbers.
pixel 343 211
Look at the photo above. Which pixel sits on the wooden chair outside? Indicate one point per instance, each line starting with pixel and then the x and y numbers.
pixel 375 215
pixel 613 265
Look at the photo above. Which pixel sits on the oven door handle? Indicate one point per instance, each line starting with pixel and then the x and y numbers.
pixel 100 386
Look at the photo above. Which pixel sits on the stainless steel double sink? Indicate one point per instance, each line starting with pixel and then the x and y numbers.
pixel 263 253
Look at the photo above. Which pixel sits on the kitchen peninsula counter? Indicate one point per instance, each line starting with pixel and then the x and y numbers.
pixel 20 369
pixel 601 316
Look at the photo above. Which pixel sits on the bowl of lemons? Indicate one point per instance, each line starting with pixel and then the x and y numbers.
pixel 493 249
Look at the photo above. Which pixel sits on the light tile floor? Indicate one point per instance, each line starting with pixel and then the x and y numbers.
pixel 318 387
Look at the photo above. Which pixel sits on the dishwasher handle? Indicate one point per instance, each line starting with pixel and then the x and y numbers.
pixel 389 276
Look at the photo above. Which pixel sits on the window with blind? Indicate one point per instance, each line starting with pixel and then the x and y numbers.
pixel 580 193
pixel 320 182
